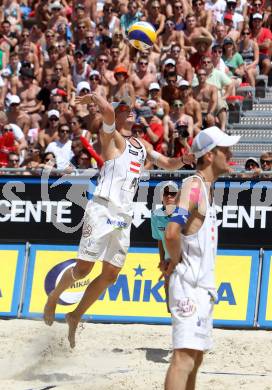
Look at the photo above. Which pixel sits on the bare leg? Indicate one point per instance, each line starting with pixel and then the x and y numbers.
pixel 79 271
pixel 191 383
pixel 181 367
pixel 222 116
pixel 93 291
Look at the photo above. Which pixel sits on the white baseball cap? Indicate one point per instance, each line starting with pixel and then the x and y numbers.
pixel 257 16
pixel 14 99
pixel 83 85
pixel 154 86
pixel 211 137
pixel 53 113
pixel 183 83
pixel 170 61
pixel 94 73
pixel 55 5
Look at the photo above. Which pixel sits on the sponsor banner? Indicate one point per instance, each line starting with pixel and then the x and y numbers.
pixel 31 206
pixel 236 280
pixel 265 305
pixel 11 277
pixel 138 294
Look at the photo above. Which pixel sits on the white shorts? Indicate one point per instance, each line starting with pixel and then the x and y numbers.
pixel 105 235
pixel 191 309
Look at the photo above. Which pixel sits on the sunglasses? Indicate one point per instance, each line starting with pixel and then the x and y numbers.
pixel 169 193
pixel 94 78
pixel 177 105
pixel 64 131
pixel 266 161
pixel 25 35
pixel 90 37
pixel 218 51
pixel 85 90
pixel 178 7
pixel 176 51
pixel 53 119
pixel 57 102
pixel 143 63
pixel 49 36
pixel 103 60
pixel 206 62
pixel 58 68
pixel 14 160
pixel 257 5
pixel 81 27
pixel 246 33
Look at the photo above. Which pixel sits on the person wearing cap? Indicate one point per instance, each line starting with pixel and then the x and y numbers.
pixel 50 132
pixel 80 69
pixel 17 115
pixel 123 88
pixel 191 106
pixel 57 16
pixel 191 241
pixel 202 45
pixel 252 165
pixel 159 220
pixel 263 37
pixel 108 215
pixel 95 83
pixel 234 61
pixel 237 19
pixel 162 105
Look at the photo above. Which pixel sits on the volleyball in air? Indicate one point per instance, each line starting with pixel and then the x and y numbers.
pixel 142 35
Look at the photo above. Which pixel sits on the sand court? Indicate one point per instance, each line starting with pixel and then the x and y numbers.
pixel 124 357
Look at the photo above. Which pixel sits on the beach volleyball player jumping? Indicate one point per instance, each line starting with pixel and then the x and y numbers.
pixel 108 216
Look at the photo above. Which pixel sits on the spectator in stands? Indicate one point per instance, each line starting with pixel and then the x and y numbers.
pixel 234 61
pixel 249 50
pixel 263 36
pixel 218 63
pixel 132 16
pixel 152 126
pixel 252 165
pixel 50 132
pixel 13 161
pixel 170 91
pixel 17 115
pixel 237 18
pixel 162 105
pixel 266 161
pixel 191 106
pixel 207 96
pixel 203 16
pixel 61 148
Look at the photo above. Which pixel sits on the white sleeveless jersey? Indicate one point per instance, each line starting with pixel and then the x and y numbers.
pixel 119 178
pixel 199 250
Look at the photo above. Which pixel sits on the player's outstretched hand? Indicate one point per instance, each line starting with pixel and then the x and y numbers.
pixel 188 159
pixel 85 99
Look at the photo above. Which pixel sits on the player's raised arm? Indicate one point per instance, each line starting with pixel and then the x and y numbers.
pixel 105 108
pixel 169 163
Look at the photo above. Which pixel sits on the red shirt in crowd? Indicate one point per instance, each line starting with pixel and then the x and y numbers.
pixel 157 128
pixel 264 34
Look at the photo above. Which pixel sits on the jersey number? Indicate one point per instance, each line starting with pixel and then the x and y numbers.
pixel 131 182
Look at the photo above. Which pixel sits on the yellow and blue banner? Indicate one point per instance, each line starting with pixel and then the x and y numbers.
pixel 265 305
pixel 138 294
pixel 12 260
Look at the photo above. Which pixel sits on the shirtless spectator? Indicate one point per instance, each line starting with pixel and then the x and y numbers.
pixel 225 88
pixel 183 67
pixel 207 96
pixel 141 79
pixel 93 121
pixel 123 89
pixel 25 37
pixel 81 17
pixel 50 132
pixel 107 76
pixel 176 116
pixel 192 31
pixel 27 90
pixel 162 105
pixel 57 103
pixel 28 56
pixel 53 57
pixel 170 91
pixel 191 106
pixel 116 60
pixel 155 17
pixel 169 37
pixel 18 116
pixel 203 16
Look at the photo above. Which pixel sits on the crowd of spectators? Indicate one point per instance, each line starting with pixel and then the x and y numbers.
pixel 52 51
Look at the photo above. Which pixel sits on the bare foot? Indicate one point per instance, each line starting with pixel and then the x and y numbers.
pixel 49 311
pixel 72 324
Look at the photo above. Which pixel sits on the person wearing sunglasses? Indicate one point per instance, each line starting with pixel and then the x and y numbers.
pixel 155 17
pixel 266 161
pixel 159 220
pixel 50 132
pixel 183 68
pixel 169 36
pixel 263 37
pixel 141 78
pixel 191 106
pixel 203 16
pixel 107 75
pixel 249 50
pixel 62 147
pixel 108 215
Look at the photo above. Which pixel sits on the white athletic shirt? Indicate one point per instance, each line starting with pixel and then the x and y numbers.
pixel 199 250
pixel 119 178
